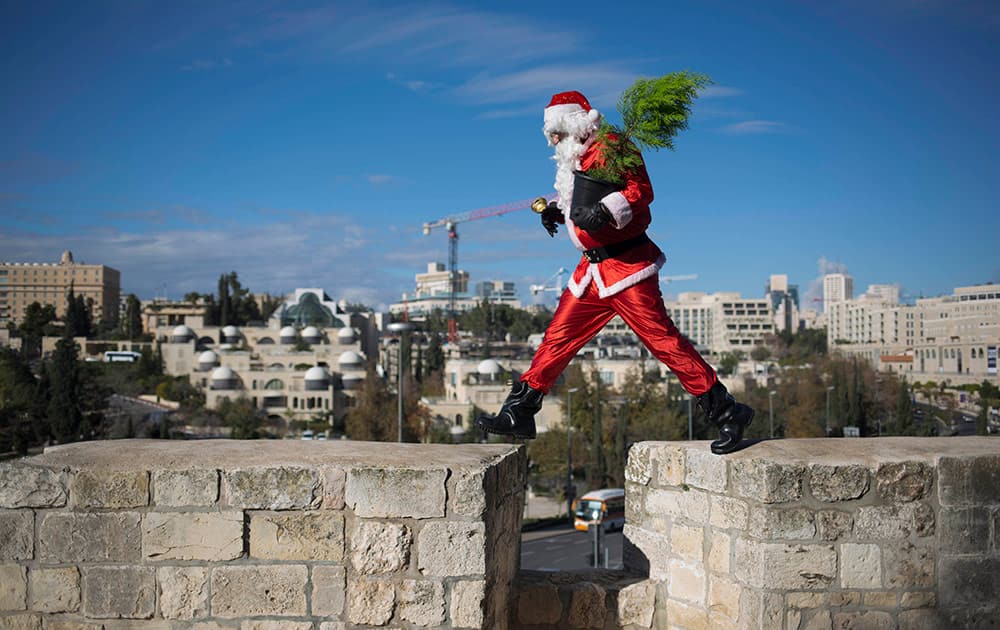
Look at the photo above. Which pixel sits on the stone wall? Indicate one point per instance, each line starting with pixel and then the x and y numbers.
pixel 815 534
pixel 264 535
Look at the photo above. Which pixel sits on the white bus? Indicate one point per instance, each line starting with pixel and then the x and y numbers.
pixel 116 356
pixel 600 507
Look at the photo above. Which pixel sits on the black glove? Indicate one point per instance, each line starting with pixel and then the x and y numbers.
pixel 590 218
pixel 551 217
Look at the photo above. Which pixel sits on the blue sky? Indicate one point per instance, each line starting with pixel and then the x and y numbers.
pixel 304 144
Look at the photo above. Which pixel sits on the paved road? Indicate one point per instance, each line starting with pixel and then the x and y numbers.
pixel 561 548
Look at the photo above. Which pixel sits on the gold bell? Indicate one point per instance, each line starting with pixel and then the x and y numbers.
pixel 539 205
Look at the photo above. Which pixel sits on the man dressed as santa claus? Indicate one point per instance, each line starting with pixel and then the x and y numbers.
pixel 617 275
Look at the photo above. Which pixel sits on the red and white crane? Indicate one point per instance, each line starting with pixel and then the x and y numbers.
pixel 451 222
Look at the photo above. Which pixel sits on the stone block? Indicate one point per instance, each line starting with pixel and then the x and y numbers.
pixel 639 468
pixel 807 600
pixel 907 566
pixel 467 493
pixel 72 538
pixel 637 604
pixel 692 505
pixel 329 590
pixel 766 481
pixel 881 599
pixel 17 535
pixel 860 566
pixel 834 525
pixel 28 486
pixel 728 513
pixel 719 548
pixel 380 547
pixel 667 464
pixel 370 601
pixel 261 624
pixel 705 470
pixel 968 581
pixel 145 624
pixel 893 522
pixel 452 549
pixel 396 492
pixel 924 619
pixel 421 602
pixel 964 530
pixel 819 620
pixel 682 615
pixel 903 482
pixel 467 597
pixel 918 599
pixel 785 566
pixel 185 488
pixel 21 622
pixel 539 604
pixel 688 582
pixel 586 606
pixel 838 483
pixel 688 542
pixel 724 597
pixel 52 623
pixel 110 489
pixel 645 552
pixel 183 592
pixel 119 592
pixel 968 481
pixel 210 536
pixel 259 591
pixel 769 523
pixel 315 535
pixel 870 620
pixel 334 485
pixel 845 599
pixel 54 590
pixel 13 587
pixel 282 488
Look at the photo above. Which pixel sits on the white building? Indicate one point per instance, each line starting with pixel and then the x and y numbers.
pixel 722 322
pixel 837 287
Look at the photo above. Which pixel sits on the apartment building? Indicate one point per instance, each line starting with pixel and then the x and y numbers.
pixel 952 337
pixel 722 322
pixel 21 284
pixel 837 288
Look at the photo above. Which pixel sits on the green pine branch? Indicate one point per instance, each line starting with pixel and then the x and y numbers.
pixel 652 111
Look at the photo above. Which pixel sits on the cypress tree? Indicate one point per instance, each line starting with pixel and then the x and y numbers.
pixel 65 416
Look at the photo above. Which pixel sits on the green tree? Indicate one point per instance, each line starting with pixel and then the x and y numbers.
pixel 63 411
pixel 989 396
pixel 37 319
pixel 21 420
pixel 240 415
pixel 131 324
pixel 373 417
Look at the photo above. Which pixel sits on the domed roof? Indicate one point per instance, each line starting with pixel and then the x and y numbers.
pixel 350 357
pixel 489 366
pixel 208 357
pixel 345 332
pixel 223 374
pixel 317 373
pixel 311 331
pixel 183 331
pixel 231 331
pixel 287 331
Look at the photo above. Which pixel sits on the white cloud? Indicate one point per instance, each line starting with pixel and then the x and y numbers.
pixel 754 127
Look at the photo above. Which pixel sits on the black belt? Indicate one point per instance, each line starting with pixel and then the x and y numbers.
pixel 598 254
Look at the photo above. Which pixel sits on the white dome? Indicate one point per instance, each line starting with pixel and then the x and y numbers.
pixel 310 331
pixel 345 333
pixel 489 366
pixel 183 331
pixel 317 373
pixel 208 357
pixel 350 357
pixel 223 374
pixel 287 331
pixel 231 331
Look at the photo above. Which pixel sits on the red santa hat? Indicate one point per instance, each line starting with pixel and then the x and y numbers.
pixel 571 113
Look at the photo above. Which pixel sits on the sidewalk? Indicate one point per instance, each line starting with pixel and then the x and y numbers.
pixel 542 507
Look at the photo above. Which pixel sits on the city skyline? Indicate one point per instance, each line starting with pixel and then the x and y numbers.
pixel 304 144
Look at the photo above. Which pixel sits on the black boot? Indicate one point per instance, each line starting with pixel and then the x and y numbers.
pixel 517 414
pixel 730 416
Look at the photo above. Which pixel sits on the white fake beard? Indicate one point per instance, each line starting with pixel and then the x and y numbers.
pixel 567 158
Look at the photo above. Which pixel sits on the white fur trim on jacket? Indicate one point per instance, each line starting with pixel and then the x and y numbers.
pixel 619 207
pixel 594 274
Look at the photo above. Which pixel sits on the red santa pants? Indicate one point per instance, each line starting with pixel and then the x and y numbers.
pixel 578 320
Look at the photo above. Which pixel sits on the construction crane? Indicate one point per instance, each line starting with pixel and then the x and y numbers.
pixel 557 286
pixel 450 223
pixel 686 276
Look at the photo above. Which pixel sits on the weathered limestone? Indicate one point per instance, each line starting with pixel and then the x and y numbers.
pixel 817 534
pixel 230 535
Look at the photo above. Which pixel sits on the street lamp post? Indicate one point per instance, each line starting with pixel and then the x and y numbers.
pixel 690 419
pixel 400 328
pixel 829 389
pixel 770 408
pixel 569 451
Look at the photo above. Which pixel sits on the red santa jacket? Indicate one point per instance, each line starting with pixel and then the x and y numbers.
pixel 629 210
